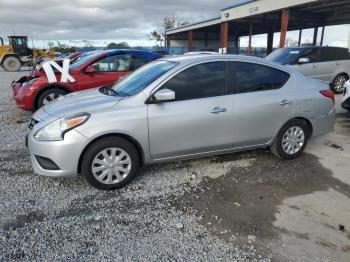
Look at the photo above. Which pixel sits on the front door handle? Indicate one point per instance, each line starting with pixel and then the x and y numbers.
pixel 285 102
pixel 314 66
pixel 218 110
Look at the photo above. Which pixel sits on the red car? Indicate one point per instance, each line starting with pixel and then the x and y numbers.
pixel 98 69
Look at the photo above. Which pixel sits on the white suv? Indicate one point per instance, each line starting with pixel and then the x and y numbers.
pixel 331 64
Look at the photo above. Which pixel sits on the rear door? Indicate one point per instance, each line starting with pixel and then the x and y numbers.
pixel 262 102
pixel 201 117
pixel 327 63
pixel 109 70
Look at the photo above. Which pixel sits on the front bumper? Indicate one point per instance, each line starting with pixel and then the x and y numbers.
pixel 64 154
pixel 22 96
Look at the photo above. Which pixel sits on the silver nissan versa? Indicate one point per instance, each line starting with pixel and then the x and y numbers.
pixel 178 108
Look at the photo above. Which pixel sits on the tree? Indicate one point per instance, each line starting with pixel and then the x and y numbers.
pixel 87 43
pixel 118 45
pixel 291 43
pixel 156 36
pixel 169 22
pixel 59 47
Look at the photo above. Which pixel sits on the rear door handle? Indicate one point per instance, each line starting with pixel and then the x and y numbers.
pixel 314 66
pixel 285 102
pixel 218 110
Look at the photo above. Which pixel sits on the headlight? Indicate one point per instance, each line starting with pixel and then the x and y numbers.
pixel 55 130
pixel 32 81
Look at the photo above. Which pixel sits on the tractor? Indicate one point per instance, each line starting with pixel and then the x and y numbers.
pixel 17 53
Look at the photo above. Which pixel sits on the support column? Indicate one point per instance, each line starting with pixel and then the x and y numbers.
pixel 190 41
pixel 270 41
pixel 168 40
pixel 322 36
pixel 224 37
pixel 300 35
pixel 206 38
pixel 236 42
pixel 250 49
pixel 314 41
pixel 284 27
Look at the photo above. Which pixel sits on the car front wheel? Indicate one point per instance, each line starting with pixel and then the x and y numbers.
pixel 49 95
pixel 110 163
pixel 291 140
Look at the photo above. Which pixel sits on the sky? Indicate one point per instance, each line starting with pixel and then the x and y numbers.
pixel 105 21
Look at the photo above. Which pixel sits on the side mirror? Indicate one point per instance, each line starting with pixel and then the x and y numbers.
pixel 304 60
pixel 164 95
pixel 90 69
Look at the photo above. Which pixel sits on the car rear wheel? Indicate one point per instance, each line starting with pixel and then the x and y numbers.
pixel 49 95
pixel 110 163
pixel 338 83
pixel 12 64
pixel 291 140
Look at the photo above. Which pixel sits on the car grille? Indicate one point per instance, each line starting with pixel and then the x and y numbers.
pixel 32 123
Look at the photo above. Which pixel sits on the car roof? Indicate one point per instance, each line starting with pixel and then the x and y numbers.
pixel 314 47
pixel 189 59
pixel 130 51
pixel 200 57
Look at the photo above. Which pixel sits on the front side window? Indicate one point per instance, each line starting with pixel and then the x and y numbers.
pixel 115 63
pixel 250 77
pixel 313 54
pixel 199 81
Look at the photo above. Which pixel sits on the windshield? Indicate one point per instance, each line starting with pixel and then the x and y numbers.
pixel 83 59
pixel 285 56
pixel 142 77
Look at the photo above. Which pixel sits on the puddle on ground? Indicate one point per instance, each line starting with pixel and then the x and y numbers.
pixel 244 201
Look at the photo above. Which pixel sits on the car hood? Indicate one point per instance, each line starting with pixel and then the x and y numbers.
pixel 84 101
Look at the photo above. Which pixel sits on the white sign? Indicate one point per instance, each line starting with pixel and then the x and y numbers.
pixel 50 74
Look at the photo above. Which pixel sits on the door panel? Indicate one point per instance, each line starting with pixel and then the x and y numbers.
pixel 326 70
pixel 258 115
pixel 92 80
pixel 190 126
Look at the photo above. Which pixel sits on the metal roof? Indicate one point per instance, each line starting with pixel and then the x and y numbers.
pixel 238 3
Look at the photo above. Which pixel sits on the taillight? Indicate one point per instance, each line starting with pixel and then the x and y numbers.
pixel 329 94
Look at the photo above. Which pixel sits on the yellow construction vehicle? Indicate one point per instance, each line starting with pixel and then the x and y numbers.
pixel 17 53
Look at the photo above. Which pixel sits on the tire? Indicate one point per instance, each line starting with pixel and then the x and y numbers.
pixel 12 64
pixel 337 85
pixel 280 145
pixel 94 168
pixel 48 96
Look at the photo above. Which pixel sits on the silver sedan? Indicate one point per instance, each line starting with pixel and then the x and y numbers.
pixel 178 108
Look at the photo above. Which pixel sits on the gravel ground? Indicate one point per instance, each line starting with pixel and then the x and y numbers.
pixel 220 208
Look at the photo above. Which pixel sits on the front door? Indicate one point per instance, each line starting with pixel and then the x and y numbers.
pixel 200 118
pixel 109 70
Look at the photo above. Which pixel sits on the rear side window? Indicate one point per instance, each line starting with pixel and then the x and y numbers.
pixel 342 54
pixel 327 54
pixel 250 77
pixel 199 81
